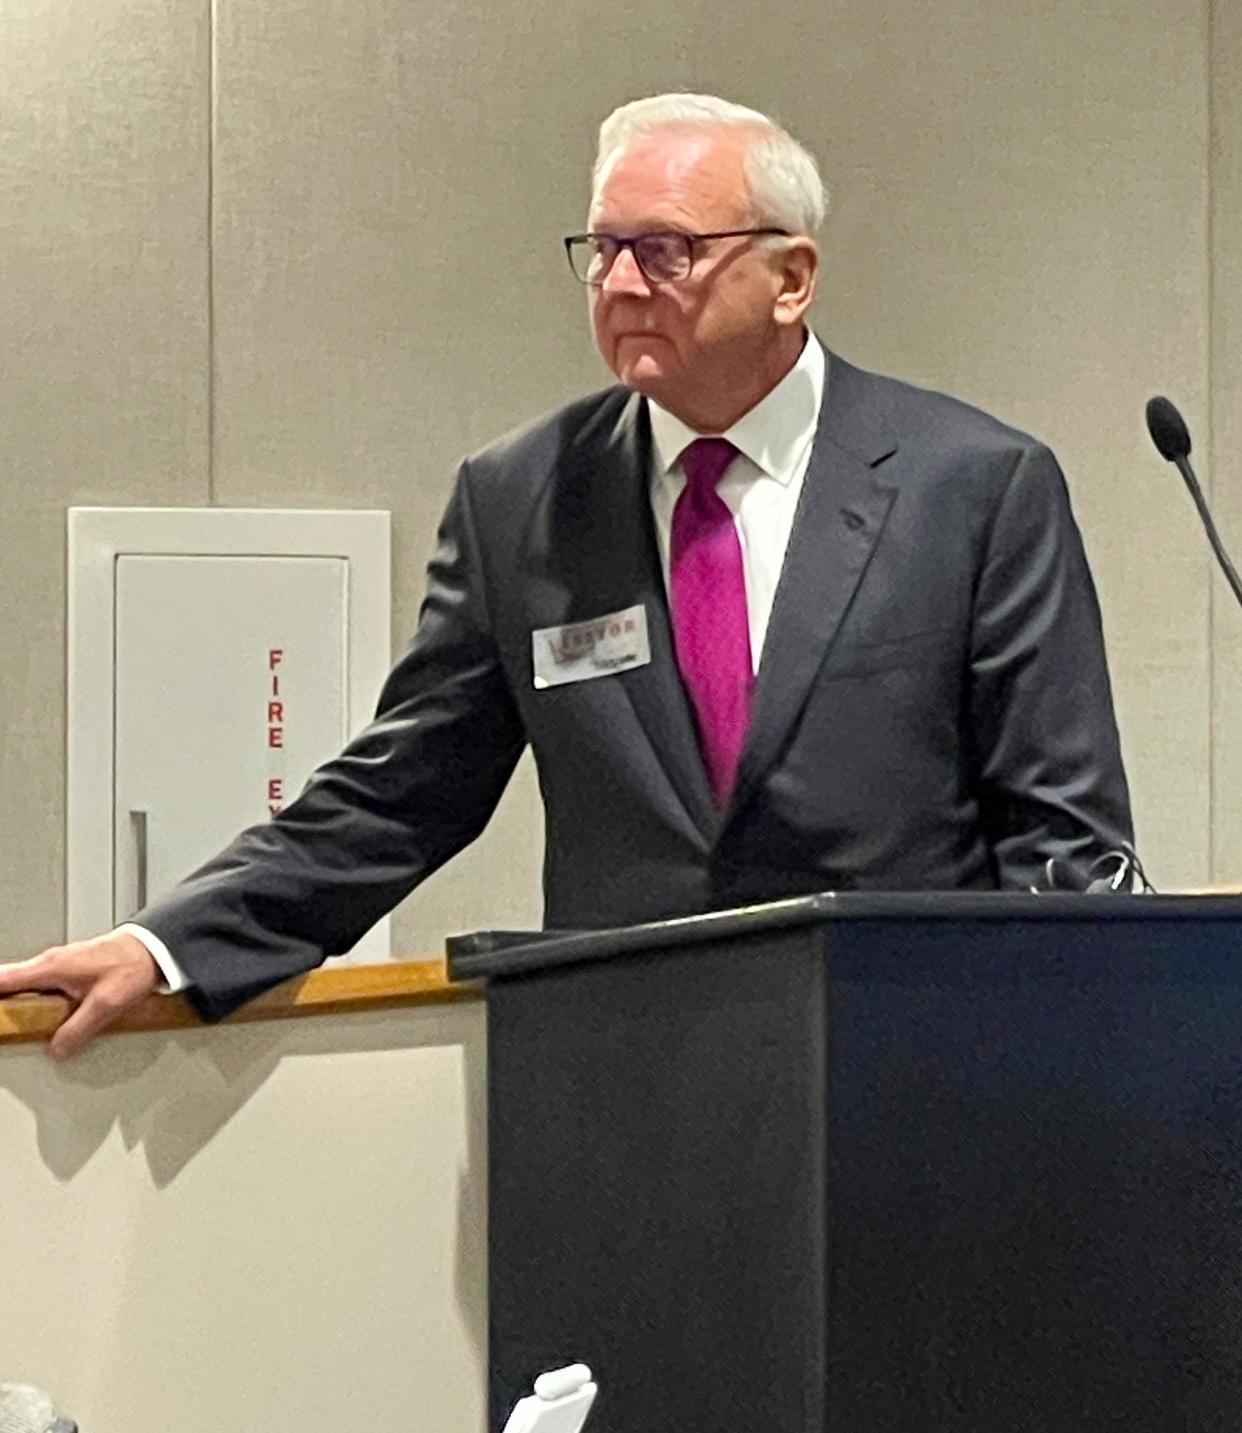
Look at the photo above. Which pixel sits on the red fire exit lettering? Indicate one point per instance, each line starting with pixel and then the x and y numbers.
pixel 275 709
pixel 275 727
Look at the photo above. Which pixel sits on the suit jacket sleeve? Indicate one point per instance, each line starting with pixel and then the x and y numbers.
pixel 405 795
pixel 1050 774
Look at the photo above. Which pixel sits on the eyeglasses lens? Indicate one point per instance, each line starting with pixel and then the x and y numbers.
pixel 663 258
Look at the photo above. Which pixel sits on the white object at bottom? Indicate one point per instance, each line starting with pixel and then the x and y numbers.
pixel 560 1403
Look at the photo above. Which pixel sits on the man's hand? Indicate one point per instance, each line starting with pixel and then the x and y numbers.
pixel 101 977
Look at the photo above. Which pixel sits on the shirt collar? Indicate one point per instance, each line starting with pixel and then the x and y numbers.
pixel 772 434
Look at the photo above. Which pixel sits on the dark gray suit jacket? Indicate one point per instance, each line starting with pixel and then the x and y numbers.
pixel 932 709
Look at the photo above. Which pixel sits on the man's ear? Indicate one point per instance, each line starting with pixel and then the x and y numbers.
pixel 799 268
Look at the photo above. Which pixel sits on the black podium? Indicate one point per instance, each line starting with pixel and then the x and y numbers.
pixel 873 1164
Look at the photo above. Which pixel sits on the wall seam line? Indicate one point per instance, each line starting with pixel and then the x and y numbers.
pixel 1209 398
pixel 212 78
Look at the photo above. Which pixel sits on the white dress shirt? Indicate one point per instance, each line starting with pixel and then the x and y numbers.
pixel 760 487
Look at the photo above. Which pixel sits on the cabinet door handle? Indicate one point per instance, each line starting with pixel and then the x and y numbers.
pixel 138 824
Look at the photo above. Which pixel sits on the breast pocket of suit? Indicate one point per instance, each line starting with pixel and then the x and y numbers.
pixel 856 660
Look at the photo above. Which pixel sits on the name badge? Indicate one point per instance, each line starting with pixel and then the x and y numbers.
pixel 598 648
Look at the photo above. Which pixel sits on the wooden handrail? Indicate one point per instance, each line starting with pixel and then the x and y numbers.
pixel 322 992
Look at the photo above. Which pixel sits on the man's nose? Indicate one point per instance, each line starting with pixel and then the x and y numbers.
pixel 625 277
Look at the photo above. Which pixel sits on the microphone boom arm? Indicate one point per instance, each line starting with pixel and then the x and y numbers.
pixel 1218 547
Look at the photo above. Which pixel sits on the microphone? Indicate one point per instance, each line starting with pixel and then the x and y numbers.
pixel 1172 439
pixel 1168 429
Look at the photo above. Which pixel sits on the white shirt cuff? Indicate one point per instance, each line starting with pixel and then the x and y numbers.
pixel 174 977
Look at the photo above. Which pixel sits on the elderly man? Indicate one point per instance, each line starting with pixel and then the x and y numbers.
pixel 770 624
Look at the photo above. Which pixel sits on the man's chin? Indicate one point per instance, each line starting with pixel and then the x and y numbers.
pixel 643 371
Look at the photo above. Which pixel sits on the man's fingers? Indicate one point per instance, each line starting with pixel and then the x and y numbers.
pixel 110 995
pixel 37 973
pixel 81 1027
pixel 101 977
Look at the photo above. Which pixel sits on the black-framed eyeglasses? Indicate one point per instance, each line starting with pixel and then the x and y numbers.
pixel 665 256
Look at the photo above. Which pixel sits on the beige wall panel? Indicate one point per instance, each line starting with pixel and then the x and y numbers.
pixel 376 267
pixel 103 385
pixel 277 1227
pixel 1219 464
pixel 1020 218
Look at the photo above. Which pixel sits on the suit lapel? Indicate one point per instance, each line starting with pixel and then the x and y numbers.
pixel 841 513
pixel 618 554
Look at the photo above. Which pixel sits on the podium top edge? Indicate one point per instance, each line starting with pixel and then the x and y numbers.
pixel 490 953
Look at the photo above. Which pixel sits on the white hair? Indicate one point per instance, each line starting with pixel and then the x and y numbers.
pixel 783 177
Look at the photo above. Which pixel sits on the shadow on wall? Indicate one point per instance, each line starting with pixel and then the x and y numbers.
pixel 173 1093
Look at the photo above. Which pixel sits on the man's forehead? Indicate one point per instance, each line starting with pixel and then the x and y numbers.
pixel 695 166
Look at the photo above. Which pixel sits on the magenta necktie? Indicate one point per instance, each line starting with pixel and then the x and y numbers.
pixel 707 587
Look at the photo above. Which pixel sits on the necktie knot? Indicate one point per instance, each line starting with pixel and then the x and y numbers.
pixel 704 463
